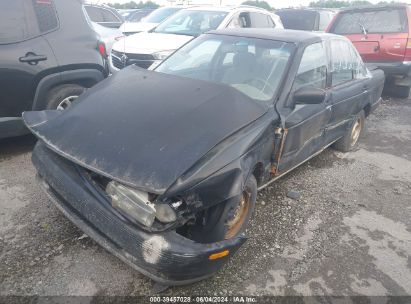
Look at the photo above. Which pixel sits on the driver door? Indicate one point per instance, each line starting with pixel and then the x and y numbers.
pixel 305 123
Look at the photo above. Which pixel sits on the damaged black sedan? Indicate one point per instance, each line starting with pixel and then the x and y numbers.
pixel 162 167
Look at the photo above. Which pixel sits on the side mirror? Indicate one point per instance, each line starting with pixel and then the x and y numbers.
pixel 309 95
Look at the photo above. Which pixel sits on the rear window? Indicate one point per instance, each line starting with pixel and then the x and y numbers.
pixel 298 19
pixel 46 15
pixel 98 14
pixel 24 19
pixel 375 21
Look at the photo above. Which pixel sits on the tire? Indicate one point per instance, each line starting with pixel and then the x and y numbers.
pixel 226 220
pixel 401 91
pixel 62 96
pixel 397 91
pixel 350 139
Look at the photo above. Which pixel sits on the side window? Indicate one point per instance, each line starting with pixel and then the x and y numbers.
pixel 342 62
pixel 18 21
pixel 95 14
pixel 359 69
pixel 46 15
pixel 109 16
pixel 313 68
pixel 258 20
pixel 240 20
pixel 270 22
pixel 235 22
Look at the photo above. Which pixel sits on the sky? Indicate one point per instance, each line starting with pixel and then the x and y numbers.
pixel 273 3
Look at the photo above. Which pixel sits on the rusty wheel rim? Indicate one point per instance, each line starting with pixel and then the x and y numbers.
pixel 356 130
pixel 240 215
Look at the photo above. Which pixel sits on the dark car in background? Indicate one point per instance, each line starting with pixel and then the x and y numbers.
pixel 46 60
pixel 306 19
pixel 168 181
pixel 104 15
pixel 381 35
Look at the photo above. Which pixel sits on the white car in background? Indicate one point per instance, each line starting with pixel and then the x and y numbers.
pixel 148 48
pixel 107 35
pixel 150 21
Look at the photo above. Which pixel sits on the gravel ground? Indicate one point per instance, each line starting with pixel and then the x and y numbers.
pixel 349 233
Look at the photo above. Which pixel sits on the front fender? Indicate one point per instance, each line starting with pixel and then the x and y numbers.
pixel 215 179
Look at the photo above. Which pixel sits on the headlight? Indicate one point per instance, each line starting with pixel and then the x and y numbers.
pixel 135 204
pixel 162 55
pixel 164 213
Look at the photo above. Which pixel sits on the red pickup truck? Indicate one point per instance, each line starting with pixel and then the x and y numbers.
pixel 381 35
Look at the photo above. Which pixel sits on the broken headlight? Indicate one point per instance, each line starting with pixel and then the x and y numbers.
pixel 136 204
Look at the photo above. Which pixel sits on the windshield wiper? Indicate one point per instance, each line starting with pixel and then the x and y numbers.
pixel 363 28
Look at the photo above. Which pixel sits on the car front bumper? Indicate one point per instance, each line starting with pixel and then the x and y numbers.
pixel 166 257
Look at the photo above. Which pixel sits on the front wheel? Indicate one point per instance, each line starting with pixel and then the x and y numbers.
pixel 227 220
pixel 350 139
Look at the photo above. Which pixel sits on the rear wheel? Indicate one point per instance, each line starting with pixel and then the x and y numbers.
pixel 398 91
pixel 62 97
pixel 350 139
pixel 226 220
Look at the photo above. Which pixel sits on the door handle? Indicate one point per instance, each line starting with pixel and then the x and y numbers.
pixel 32 58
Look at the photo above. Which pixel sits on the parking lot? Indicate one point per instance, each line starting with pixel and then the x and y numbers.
pixel 349 233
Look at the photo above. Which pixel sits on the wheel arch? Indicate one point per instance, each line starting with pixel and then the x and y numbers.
pixel 367 109
pixel 84 77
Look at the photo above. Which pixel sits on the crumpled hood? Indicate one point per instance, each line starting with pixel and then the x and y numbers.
pixel 144 128
pixel 148 43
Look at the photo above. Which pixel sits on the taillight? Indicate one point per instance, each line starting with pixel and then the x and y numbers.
pixel 102 49
pixel 407 56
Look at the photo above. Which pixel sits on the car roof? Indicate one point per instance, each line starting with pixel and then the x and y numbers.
pixel 292 36
pixel 374 7
pixel 226 8
pixel 311 9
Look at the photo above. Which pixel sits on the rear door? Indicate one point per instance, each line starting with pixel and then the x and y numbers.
pixel 25 54
pixel 378 34
pixel 349 87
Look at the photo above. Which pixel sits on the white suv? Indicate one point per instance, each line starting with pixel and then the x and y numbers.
pixel 146 48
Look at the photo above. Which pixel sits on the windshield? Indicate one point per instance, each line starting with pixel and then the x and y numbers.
pixel 160 14
pixel 298 19
pixel 252 66
pixel 191 22
pixel 137 16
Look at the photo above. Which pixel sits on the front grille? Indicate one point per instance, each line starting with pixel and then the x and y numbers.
pixel 121 60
